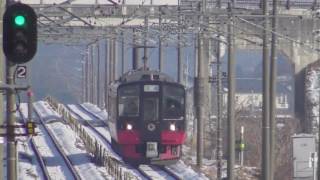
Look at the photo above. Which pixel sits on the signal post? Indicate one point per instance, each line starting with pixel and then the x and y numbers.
pixel 19 46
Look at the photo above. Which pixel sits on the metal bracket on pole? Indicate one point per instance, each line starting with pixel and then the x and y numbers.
pixel 4 86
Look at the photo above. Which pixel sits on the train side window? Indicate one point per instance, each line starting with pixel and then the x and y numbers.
pixel 129 101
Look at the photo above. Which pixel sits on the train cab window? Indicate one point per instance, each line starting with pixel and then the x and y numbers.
pixel 128 101
pixel 150 108
pixel 173 102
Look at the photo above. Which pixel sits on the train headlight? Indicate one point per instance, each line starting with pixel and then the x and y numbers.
pixel 172 127
pixel 129 126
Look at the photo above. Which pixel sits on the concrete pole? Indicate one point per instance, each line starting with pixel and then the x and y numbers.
pixel 145 49
pixel 11 143
pixel 114 58
pixel 273 88
pixel 219 109
pixel 98 76
pixel 106 76
pixel 135 53
pixel 199 92
pixel 200 99
pixel 160 44
pixel 266 99
pixel 110 60
pixel 231 98
pixel 122 54
pixel 83 82
pixel 92 81
pixel 87 76
pixel 180 65
pixel 2 63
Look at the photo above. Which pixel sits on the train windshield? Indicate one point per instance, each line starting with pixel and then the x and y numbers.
pixel 150 108
pixel 129 101
pixel 173 102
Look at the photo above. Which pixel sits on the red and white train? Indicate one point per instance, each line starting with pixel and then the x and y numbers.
pixel 147 117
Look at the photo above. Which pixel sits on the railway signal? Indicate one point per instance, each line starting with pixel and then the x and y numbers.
pixel 19 33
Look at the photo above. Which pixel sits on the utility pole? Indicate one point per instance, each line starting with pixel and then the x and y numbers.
pixel 201 90
pixel 98 75
pixel 122 53
pixel 91 51
pixel 231 97
pixel 106 76
pixel 200 99
pixel 11 143
pixel 114 59
pixel 145 49
pixel 219 108
pixel 135 53
pixel 2 63
pixel 112 53
pixel 180 65
pixel 87 75
pixel 83 82
pixel 160 43
pixel 111 61
pixel 266 98
pixel 273 86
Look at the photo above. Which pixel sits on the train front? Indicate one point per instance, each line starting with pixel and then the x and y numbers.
pixel 151 121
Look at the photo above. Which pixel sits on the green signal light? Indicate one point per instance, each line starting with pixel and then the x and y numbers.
pixel 19 20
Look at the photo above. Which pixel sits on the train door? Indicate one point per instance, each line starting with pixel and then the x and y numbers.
pixel 150 118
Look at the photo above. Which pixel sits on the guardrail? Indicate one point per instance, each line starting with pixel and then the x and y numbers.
pixel 98 152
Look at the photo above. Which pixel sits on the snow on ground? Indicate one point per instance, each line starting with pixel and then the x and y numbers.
pixel 45 111
pixel 83 115
pixel 102 114
pixel 185 172
pixel 54 162
pixel 155 173
pixel 72 146
pixel 74 149
pixel 79 112
pixel 29 168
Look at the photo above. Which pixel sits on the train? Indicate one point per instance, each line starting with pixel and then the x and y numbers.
pixel 147 118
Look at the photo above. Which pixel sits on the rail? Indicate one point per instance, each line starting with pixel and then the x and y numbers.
pixel 37 152
pixel 99 153
pixel 58 147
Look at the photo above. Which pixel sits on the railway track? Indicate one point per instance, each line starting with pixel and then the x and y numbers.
pixel 37 152
pixel 58 148
pixel 149 172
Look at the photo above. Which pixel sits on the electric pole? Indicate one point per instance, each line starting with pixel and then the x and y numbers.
pixel 2 63
pixel 122 53
pixel 219 108
pixel 266 98
pixel 92 81
pixel 98 75
pixel 180 65
pixel 145 49
pixel 231 97
pixel 106 75
pixel 135 53
pixel 273 86
pixel 160 43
